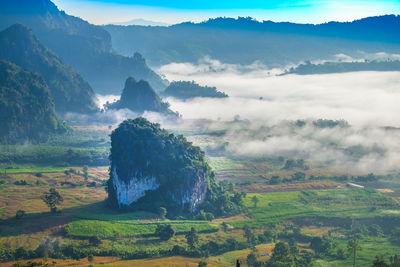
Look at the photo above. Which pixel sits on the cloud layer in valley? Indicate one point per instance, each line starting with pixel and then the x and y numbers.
pixel 268 106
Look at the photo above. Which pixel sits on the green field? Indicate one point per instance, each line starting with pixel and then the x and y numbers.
pixel 107 229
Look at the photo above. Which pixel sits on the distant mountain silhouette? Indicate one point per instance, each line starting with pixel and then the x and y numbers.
pixel 340 67
pixel 245 40
pixel 84 46
pixel 26 107
pixel 141 22
pixel 70 91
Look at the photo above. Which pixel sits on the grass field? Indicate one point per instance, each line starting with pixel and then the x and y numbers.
pixel 106 229
pixel 344 202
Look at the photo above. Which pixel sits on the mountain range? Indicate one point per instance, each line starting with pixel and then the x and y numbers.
pixel 245 40
pixel 86 47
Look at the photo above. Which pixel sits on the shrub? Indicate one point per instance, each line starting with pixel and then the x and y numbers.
pixel 95 241
pixel 164 231
pixel 19 214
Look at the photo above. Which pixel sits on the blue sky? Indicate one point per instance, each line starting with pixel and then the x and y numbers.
pixel 306 11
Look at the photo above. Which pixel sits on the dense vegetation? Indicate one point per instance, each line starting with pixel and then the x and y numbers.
pixel 71 93
pixel 86 47
pixel 141 147
pixel 245 40
pixel 26 107
pixel 139 97
pixel 309 68
pixel 185 90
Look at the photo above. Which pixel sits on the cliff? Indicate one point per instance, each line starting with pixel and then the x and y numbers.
pixel 152 168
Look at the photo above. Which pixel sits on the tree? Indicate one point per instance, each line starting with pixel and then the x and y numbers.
pixel 379 262
pixel 162 212
pixel 281 252
pixel 164 231
pixel 224 226
pixel 353 245
pixel 52 199
pixel 85 172
pixel 202 264
pixel 255 201
pixel 251 259
pixel 251 238
pixel 271 235
pixel 90 258
pixel 192 238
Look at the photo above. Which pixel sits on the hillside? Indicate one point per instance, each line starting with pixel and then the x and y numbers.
pixel 26 107
pixel 139 97
pixel 186 90
pixel 244 40
pixel 71 93
pixel 85 47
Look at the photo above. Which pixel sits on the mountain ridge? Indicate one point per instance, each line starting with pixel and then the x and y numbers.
pixel 69 90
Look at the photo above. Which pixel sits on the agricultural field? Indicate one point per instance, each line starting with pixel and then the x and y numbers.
pixel 306 201
pixel 318 212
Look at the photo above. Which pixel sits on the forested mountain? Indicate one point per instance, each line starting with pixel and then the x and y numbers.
pixel 139 96
pixel 245 40
pixel 186 90
pixel 71 93
pixel 86 47
pixel 339 67
pixel 26 107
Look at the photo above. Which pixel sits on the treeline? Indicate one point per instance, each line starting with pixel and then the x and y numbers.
pixel 54 155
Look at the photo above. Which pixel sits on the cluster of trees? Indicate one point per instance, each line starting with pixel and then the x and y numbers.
pixel 379 261
pixel 185 90
pixel 301 176
pixel 54 155
pixel 291 164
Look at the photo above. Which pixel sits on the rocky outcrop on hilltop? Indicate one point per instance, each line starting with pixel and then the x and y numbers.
pixel 151 168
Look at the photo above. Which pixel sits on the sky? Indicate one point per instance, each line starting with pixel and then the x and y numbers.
pixel 176 11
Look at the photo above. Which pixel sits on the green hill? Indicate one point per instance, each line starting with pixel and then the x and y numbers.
pixel 86 47
pixel 26 107
pixel 152 168
pixel 139 96
pixel 71 93
pixel 186 90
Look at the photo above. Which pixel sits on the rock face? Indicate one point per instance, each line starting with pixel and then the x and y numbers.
pixel 152 168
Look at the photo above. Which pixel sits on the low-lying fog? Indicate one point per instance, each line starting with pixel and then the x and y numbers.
pixel 263 108
pixel 361 98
